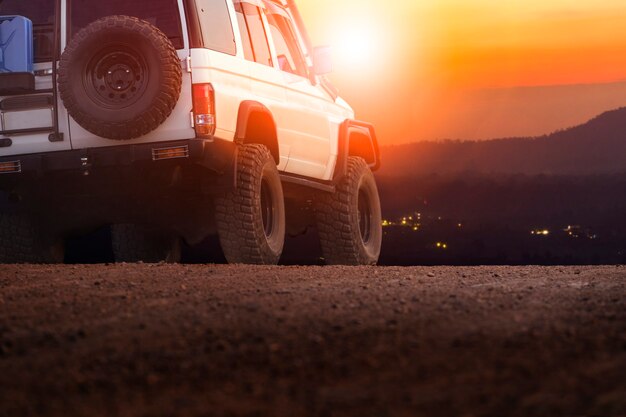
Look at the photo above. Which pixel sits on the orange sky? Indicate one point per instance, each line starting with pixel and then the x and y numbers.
pixel 414 66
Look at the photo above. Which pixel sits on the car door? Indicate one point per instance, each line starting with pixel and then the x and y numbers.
pixel 165 15
pixel 306 119
pixel 267 83
pixel 30 119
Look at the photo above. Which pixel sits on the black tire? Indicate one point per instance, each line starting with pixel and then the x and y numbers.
pixel 251 218
pixel 132 243
pixel 22 242
pixel 120 77
pixel 349 221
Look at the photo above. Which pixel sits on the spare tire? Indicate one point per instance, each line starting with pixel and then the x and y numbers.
pixel 120 77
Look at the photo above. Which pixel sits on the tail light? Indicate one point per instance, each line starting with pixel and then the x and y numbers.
pixel 204 110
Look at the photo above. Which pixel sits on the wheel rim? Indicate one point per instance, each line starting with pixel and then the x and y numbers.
pixel 365 216
pixel 116 76
pixel 267 208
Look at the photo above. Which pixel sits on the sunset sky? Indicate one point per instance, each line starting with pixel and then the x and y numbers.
pixel 427 69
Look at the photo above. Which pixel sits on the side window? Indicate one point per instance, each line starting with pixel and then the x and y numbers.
pixel 252 29
pixel 245 34
pixel 289 55
pixel 217 32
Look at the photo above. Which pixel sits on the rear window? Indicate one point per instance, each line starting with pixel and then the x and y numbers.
pixel 41 13
pixel 161 13
pixel 217 31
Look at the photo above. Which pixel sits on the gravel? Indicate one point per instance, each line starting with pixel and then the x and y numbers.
pixel 208 340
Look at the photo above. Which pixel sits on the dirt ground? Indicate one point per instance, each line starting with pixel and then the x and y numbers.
pixel 206 340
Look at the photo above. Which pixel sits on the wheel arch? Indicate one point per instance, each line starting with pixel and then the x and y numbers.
pixel 255 124
pixel 356 138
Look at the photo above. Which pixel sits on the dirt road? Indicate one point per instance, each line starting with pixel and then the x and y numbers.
pixel 160 340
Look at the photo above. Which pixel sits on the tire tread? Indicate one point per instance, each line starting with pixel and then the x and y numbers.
pixel 132 244
pixel 21 242
pixel 336 220
pixel 162 105
pixel 241 234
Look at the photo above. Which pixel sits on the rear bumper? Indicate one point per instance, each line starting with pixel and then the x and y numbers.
pixel 80 190
pixel 215 155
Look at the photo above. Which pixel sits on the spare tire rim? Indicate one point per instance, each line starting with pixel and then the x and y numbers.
pixel 365 216
pixel 267 208
pixel 116 76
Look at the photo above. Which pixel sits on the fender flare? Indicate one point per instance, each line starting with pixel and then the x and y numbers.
pixel 356 138
pixel 266 135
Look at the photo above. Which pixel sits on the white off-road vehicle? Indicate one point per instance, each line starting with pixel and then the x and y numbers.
pixel 171 120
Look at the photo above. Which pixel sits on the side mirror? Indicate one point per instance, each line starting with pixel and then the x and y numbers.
pixel 322 60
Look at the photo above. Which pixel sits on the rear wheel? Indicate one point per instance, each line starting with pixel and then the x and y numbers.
pixel 133 243
pixel 251 218
pixel 21 241
pixel 349 221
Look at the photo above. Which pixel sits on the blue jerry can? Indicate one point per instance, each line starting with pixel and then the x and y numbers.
pixel 16 44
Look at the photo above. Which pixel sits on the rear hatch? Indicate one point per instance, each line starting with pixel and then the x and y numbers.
pixel 35 121
pixel 166 16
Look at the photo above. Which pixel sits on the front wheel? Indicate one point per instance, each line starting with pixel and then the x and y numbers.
pixel 133 243
pixel 349 221
pixel 251 218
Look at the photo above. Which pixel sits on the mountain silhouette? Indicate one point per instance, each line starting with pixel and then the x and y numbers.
pixel 596 147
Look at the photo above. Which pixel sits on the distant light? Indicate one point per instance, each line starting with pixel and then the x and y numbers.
pixel 460 225
pixel 438 244
pixel 445 246
pixel 415 228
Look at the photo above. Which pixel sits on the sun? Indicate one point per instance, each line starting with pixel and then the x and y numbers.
pixel 356 46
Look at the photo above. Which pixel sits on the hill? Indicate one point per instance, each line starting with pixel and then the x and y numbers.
pixel 596 147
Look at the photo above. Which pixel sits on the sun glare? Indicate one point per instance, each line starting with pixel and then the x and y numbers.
pixel 356 46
